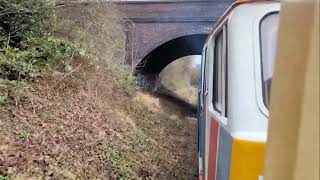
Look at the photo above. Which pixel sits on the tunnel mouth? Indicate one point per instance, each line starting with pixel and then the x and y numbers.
pixel 168 52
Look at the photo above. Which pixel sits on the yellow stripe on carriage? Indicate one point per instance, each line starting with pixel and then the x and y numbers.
pixel 247 161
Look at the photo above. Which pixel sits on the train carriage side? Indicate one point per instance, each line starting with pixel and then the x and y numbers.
pixel 236 77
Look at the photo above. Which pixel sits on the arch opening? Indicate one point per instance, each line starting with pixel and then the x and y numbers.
pixel 171 50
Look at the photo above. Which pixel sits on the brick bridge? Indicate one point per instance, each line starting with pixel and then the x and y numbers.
pixel 159 32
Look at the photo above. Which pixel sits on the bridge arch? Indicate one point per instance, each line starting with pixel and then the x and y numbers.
pixel 160 57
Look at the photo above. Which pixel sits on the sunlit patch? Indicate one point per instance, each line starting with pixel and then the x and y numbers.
pixel 181 77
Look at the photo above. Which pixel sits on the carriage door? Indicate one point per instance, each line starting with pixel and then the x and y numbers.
pixel 215 101
pixel 201 114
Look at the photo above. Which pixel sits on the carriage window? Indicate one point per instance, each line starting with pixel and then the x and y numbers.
pixel 268 39
pixel 217 72
pixel 203 70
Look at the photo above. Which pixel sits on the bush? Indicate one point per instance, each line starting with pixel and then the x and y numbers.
pixel 21 19
pixel 35 56
pixel 26 50
pixel 4 177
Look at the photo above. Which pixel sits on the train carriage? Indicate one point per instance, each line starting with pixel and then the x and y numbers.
pixel 236 78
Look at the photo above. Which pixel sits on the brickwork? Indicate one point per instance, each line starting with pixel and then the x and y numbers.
pixel 150 24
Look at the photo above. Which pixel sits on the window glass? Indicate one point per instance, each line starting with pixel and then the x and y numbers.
pixel 268 35
pixel 217 72
pixel 203 71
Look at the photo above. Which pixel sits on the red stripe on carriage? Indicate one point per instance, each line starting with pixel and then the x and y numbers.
pixel 214 131
pixel 200 177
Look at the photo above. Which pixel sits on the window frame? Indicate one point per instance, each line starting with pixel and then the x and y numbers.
pixel 261 59
pixel 224 74
pixel 217 71
pixel 258 60
pixel 203 73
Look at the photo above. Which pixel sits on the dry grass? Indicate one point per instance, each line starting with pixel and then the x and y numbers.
pixel 64 127
pixel 96 27
pixel 88 126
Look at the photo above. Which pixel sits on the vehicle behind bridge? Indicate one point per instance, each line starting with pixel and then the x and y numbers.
pixel 236 79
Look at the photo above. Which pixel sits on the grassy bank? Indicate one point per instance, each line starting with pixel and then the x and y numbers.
pixel 69 108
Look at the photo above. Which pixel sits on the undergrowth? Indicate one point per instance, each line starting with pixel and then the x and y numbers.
pixel 36 56
pixel 12 91
pixel 4 177
pixel 96 29
pixel 38 39
pixel 27 49
pixel 21 19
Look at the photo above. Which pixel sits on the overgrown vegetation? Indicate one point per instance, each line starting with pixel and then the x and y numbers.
pixel 22 19
pixel 66 100
pixel 96 28
pixel 38 38
pixel 4 177
pixel 27 49
pixel 13 91
pixel 35 57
